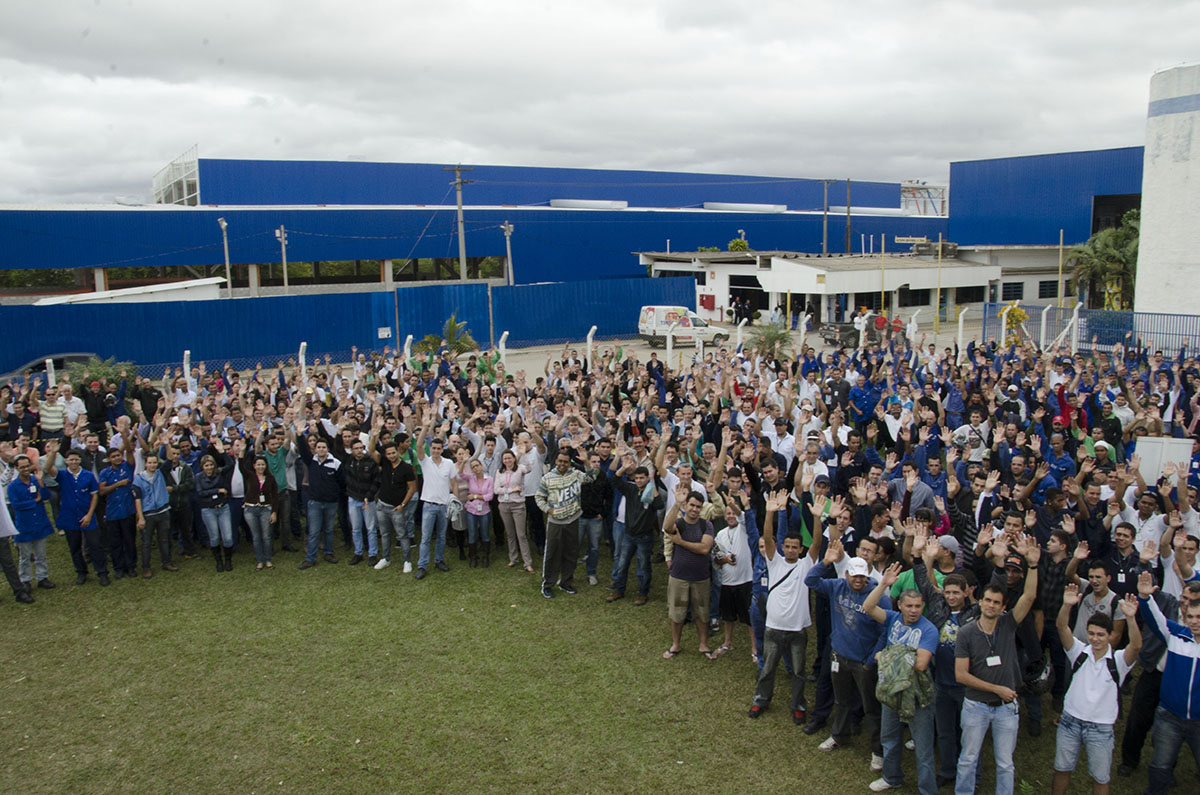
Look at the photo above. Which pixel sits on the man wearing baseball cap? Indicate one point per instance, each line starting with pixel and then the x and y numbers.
pixel 855 639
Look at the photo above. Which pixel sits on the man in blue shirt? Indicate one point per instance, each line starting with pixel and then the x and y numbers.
pixel 27 500
pixel 906 628
pixel 79 492
pixel 854 639
pixel 116 481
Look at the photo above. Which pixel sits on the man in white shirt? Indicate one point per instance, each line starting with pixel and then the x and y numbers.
pixel 1090 705
pixel 441 481
pixel 782 442
pixel 788 616
pixel 735 547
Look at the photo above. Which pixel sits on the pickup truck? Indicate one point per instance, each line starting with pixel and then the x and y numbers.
pixel 846 335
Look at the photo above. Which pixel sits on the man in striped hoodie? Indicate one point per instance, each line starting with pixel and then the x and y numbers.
pixel 1177 719
pixel 558 497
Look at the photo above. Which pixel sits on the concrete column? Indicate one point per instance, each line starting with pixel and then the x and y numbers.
pixel 252 274
pixel 385 274
pixel 100 279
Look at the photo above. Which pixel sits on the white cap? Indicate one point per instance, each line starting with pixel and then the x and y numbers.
pixel 857 567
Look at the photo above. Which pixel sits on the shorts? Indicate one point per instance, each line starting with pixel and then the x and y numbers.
pixel 735 602
pixel 1097 738
pixel 682 594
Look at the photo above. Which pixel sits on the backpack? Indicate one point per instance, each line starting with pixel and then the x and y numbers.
pixel 1112 667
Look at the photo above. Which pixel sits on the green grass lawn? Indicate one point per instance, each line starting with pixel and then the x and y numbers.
pixel 344 679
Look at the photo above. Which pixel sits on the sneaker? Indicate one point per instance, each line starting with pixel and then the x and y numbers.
pixel 568 589
pixel 382 564
pixel 829 745
pixel 546 592
pixel 24 597
pixel 45 583
pixel 420 575
pixel 373 560
pixel 408 567
pixel 307 564
pixel 798 717
pixel 881 785
pixel 592 580
pixel 876 762
pixel 355 559
pixel 441 566
pixel 756 710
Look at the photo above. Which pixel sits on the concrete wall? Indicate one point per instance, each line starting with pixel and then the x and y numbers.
pixel 1169 248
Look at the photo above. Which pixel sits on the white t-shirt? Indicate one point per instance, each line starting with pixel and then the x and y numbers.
pixel 733 540
pixel 1172 584
pixel 1092 695
pixel 436 488
pixel 787 605
pixel 671 481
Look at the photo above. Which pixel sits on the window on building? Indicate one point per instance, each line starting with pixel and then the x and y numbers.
pixel 1069 288
pixel 1048 289
pixel 914 297
pixel 1012 291
pixel 869 300
pixel 968 295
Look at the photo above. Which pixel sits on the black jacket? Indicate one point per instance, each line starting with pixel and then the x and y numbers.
pixel 362 478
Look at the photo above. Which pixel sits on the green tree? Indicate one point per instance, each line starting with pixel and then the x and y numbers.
pixel 738 244
pixel 458 339
pixel 771 337
pixel 1105 267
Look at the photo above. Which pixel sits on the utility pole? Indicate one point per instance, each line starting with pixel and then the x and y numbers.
pixel 225 242
pixel 847 216
pixel 507 228
pixel 462 240
pixel 281 236
pixel 825 218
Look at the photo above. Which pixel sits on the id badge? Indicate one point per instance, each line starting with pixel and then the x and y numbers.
pixel 262 498
pixel 1121 577
pixel 764 582
pixel 993 661
pixel 834 666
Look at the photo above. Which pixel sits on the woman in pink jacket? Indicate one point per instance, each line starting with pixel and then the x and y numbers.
pixel 478 512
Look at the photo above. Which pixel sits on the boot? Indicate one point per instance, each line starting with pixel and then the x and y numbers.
pixel 475 555
pixel 217 557
pixel 487 554
pixel 460 537
pixel 228 558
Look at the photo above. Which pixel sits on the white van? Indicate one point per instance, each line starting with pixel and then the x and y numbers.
pixel 653 322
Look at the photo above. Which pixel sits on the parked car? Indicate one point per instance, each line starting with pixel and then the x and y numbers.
pixel 845 334
pixel 654 321
pixel 61 361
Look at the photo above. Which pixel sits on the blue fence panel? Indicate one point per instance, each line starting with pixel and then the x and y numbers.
pixel 1100 329
pixel 424 310
pixel 538 314
pixel 212 330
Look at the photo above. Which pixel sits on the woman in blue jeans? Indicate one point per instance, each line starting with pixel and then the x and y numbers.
pixel 478 510
pixel 260 508
pixel 212 493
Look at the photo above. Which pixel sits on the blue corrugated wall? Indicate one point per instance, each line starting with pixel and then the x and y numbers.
pixel 158 333
pixel 536 314
pixel 547 245
pixel 1026 200
pixel 311 182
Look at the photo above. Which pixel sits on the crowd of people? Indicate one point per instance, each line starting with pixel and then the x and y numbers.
pixel 969 537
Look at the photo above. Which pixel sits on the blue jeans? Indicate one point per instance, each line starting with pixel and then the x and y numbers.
pixel 479 528
pixel 891 735
pixel 363 514
pixel 947 709
pixel 400 522
pixel 1097 738
pixel 259 519
pixel 642 545
pixel 1170 733
pixel 219 524
pixel 1004 721
pixel 592 528
pixel 618 535
pixel 321 516
pixel 433 519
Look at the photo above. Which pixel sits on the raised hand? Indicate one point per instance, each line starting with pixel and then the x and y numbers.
pixel 1145 586
pixel 1082 551
pixel 834 552
pixel 1068 524
pixel 892 574
pixel 1071 595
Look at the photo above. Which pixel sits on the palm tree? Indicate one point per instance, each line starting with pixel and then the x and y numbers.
pixel 456 336
pixel 1105 267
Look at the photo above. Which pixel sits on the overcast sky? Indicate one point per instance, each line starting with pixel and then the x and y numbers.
pixel 98 95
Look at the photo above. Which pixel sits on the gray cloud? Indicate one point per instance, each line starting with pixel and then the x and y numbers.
pixel 98 96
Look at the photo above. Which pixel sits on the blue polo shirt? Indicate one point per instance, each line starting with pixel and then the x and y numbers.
pixel 119 503
pixel 76 491
pixel 28 504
